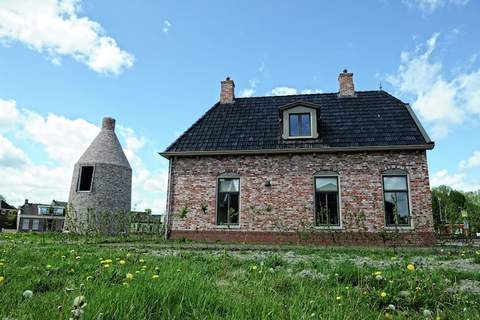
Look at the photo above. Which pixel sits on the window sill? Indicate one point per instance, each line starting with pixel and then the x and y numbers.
pixel 400 228
pixel 219 226
pixel 328 228
pixel 299 137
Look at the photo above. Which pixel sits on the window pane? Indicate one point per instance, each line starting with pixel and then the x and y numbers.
pixel 25 224
pixel 293 125
pixel 395 183
pixel 229 185
pixel 326 184
pixel 222 208
pixel 233 210
pixel 396 201
pixel 321 212
pixel 35 224
pixel 332 208
pixel 305 121
pixel 326 208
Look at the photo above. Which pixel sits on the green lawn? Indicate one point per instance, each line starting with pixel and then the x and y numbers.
pixel 144 278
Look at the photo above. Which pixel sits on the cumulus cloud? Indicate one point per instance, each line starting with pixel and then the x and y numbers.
pixel 9 115
pixel 462 178
pixel 250 91
pixel 54 27
pixel 285 91
pixel 429 6
pixel 63 141
pixel 441 102
pixel 472 162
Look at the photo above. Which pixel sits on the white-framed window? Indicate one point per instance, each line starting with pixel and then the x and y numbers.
pixel 327 199
pixel 35 224
pixel 44 211
pixel 396 198
pixel 25 224
pixel 300 122
pixel 58 211
pixel 228 201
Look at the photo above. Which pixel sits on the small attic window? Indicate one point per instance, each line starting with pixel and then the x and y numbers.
pixel 85 178
pixel 299 122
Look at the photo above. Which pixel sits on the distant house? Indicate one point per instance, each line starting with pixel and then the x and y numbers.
pixel 8 216
pixel 346 167
pixel 41 217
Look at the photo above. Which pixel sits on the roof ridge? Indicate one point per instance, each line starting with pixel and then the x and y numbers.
pixel 305 94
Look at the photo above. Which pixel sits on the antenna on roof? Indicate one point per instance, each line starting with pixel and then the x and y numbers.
pixel 380 86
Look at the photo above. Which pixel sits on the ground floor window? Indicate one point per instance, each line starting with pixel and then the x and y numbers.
pixel 35 224
pixel 25 224
pixel 395 191
pixel 228 201
pixel 327 201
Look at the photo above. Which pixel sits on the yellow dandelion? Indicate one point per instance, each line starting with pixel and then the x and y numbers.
pixel 377 273
pixel 2 279
pixel 129 276
pixel 155 276
pixel 106 265
pixel 410 267
pixel 254 268
pixel 121 262
pixel 383 294
pixel 339 298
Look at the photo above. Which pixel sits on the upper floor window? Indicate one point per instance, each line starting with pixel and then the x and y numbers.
pixel 327 207
pixel 395 191
pixel 85 178
pixel 57 211
pixel 300 125
pixel 228 201
pixel 299 120
pixel 44 211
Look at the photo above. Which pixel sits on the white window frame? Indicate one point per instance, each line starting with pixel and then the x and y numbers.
pixel 397 172
pixel 229 176
pixel 299 110
pixel 25 224
pixel 35 224
pixel 328 174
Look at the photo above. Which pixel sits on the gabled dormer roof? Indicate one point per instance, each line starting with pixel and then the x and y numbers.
pixel 372 120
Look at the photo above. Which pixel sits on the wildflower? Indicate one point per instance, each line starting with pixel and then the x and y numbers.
pixel 254 268
pixel 391 307
pixel 64 257
pixel 77 258
pixel 49 266
pixel 141 261
pixel 27 294
pixel 78 305
pixel 2 279
pixel 125 284
pixel 129 276
pixel 377 273
pixel 157 269
pixel 72 251
pixel 129 254
pixel 121 262
pixel 410 267
pixel 388 315
pixel 339 298
pixel 106 261
pixel 106 265
pixel 379 278
pixel 1 264
pixel 155 276
pixel 383 294
pixel 427 313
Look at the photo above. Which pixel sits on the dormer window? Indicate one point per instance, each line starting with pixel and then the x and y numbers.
pixel 300 125
pixel 299 120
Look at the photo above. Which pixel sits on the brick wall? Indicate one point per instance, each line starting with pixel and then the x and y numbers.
pixel 290 198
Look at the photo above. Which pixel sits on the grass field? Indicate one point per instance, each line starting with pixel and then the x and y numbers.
pixel 143 278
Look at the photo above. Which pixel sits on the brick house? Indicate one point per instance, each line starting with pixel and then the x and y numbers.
pixel 41 217
pixel 348 167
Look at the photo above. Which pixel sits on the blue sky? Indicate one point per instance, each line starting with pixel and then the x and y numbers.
pixel 156 67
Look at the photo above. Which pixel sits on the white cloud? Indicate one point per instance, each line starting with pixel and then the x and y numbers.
pixel 472 162
pixel 64 140
pixel 429 6
pixel 166 26
pixel 250 91
pixel 441 102
pixel 8 114
pixel 54 27
pixel 284 91
pixel 10 156
pixel 462 179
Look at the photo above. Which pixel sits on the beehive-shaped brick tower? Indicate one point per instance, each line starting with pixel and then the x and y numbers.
pixel 101 189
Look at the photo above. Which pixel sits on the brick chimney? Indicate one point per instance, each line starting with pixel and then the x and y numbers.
pixel 227 93
pixel 345 80
pixel 108 124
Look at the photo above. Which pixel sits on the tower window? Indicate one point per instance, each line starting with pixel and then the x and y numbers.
pixel 85 179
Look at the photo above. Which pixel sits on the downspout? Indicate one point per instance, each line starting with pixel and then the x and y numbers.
pixel 169 190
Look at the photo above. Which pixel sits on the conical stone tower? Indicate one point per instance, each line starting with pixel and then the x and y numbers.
pixel 101 189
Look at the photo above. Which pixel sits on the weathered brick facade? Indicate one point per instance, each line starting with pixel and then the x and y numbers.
pixel 284 211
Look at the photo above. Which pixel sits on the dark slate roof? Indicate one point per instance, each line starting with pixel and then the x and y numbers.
pixel 371 119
